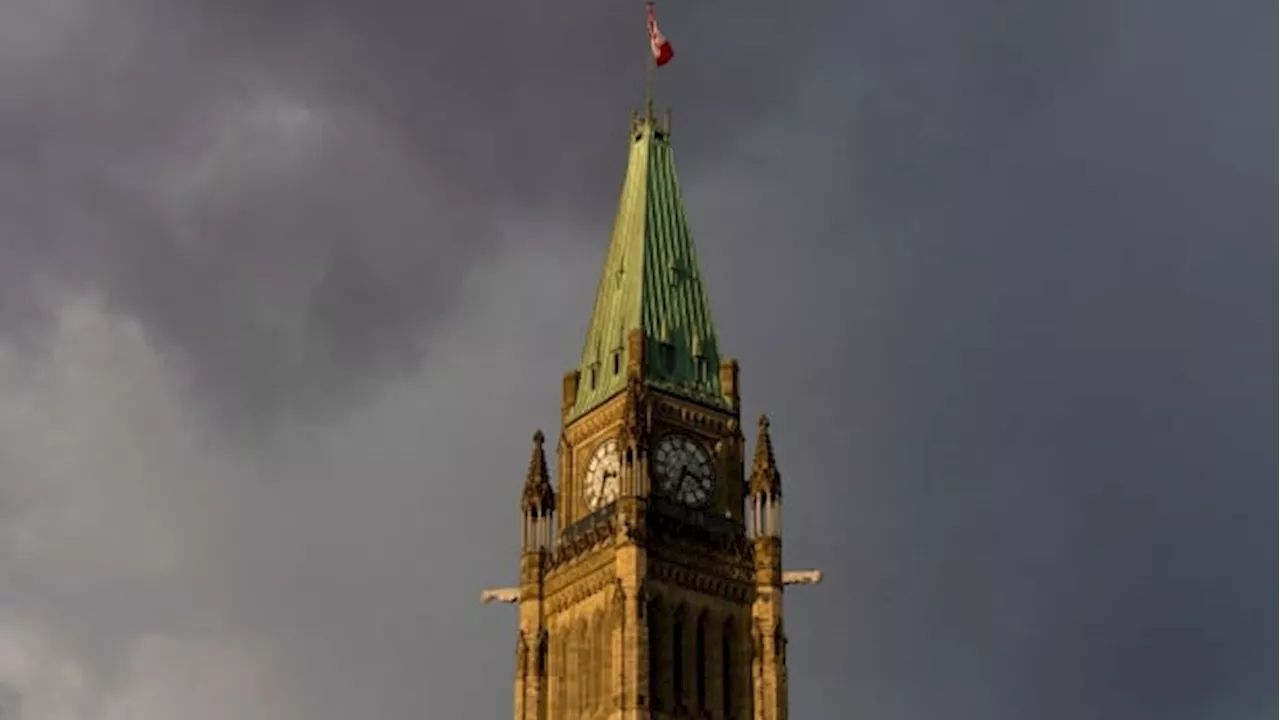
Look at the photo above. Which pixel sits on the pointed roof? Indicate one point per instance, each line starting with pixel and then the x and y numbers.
pixel 765 477
pixel 650 282
pixel 537 485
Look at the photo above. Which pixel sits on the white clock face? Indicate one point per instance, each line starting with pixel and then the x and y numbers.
pixel 601 485
pixel 684 471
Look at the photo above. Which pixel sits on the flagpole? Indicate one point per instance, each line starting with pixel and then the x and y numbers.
pixel 650 63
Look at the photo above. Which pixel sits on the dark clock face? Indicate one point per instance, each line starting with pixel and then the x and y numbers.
pixel 684 470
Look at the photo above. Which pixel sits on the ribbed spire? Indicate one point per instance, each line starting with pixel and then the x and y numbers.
pixel 538 493
pixel 650 282
pixel 765 478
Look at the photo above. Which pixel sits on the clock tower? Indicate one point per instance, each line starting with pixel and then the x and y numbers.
pixel 650 570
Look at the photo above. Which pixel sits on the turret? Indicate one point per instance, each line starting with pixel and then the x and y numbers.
pixel 769 659
pixel 537 502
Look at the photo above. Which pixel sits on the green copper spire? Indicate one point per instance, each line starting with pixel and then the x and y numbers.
pixel 651 283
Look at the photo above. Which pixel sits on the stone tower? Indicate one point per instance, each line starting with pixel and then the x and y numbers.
pixel 650 575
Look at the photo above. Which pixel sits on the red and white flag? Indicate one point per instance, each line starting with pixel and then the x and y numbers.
pixel 662 52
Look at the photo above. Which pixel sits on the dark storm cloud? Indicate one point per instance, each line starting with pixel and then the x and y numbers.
pixel 346 157
pixel 997 271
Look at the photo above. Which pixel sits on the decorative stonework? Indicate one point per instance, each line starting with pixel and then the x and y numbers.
pixel 595 423
pixel 537 494
pixel 696 537
pixel 576 583
pixel 765 478
pixel 736 589
pixel 697 418
pixel 618 602
pixel 596 535
pixel 636 424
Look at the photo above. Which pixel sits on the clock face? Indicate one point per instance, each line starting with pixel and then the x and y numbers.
pixel 684 471
pixel 601 484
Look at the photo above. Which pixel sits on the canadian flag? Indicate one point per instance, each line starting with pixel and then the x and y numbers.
pixel 662 52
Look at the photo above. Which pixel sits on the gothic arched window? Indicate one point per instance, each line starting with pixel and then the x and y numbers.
pixel 780 644
pixel 560 670
pixel 541 662
pixel 657 676
pixel 727 664
pixel 700 662
pixel 592 676
pixel 677 656
pixel 581 673
pixel 604 684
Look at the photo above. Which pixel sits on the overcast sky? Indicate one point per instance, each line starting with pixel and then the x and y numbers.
pixel 286 286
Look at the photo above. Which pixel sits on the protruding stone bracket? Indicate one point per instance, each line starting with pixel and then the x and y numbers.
pixel 802 577
pixel 509 596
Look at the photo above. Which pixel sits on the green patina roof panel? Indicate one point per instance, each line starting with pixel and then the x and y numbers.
pixel 650 281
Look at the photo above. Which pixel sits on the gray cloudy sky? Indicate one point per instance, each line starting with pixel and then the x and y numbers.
pixel 286 286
